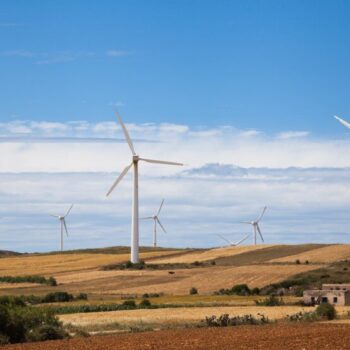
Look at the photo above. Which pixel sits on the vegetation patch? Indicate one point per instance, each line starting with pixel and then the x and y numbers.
pixel 149 266
pixel 238 289
pixel 324 311
pixel 272 300
pixel 335 273
pixel 20 323
pixel 226 321
pixel 29 279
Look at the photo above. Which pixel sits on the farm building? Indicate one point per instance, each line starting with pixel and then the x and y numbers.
pixel 336 294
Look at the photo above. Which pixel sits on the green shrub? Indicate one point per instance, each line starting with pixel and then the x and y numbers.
pixel 81 296
pixel 25 323
pixel 129 303
pixel 255 291
pixel 226 321
pixel 193 291
pixel 57 297
pixel 310 316
pixel 145 303
pixel 270 301
pixel 327 311
pixel 31 279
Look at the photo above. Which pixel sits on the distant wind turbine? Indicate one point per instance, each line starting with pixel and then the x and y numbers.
pixel 135 203
pixel 342 121
pixel 233 244
pixel 62 219
pixel 156 220
pixel 255 225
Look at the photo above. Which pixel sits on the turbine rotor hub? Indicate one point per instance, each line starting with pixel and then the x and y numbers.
pixel 135 158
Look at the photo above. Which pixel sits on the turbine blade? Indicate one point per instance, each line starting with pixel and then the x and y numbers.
pixel 261 236
pixel 242 240
pixel 342 121
pixel 65 226
pixel 160 208
pixel 245 222
pixel 161 225
pixel 160 161
pixel 126 133
pixel 69 210
pixel 147 218
pixel 225 239
pixel 55 216
pixel 262 214
pixel 119 178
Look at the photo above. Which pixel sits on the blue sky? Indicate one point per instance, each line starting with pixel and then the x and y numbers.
pixel 243 92
pixel 269 65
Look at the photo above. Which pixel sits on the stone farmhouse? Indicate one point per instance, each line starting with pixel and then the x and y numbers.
pixel 335 294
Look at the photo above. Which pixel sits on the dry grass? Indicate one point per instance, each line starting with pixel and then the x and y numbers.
pixel 209 254
pixel 182 315
pixel 206 280
pixel 48 265
pixel 327 254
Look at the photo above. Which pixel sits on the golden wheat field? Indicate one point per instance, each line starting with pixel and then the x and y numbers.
pixel 182 315
pixel 209 254
pixel 52 264
pixel 206 280
pixel 322 255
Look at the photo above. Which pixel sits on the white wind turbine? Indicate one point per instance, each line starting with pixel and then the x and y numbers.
pixel 233 244
pixel 255 225
pixel 135 202
pixel 342 121
pixel 62 219
pixel 156 220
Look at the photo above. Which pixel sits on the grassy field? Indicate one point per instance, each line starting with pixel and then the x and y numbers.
pixel 82 272
pixel 183 315
pixel 321 255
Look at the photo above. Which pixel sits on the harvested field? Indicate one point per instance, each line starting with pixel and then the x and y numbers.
pixel 182 315
pixel 53 264
pixel 206 280
pixel 271 337
pixel 208 254
pixel 322 255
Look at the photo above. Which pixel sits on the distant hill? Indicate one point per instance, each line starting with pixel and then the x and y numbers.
pixel 7 253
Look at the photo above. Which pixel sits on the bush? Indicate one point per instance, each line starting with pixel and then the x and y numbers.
pixel 297 262
pixel 303 317
pixel 57 297
pixel 327 311
pixel 81 296
pixel 238 289
pixel 21 324
pixel 270 301
pixel 129 303
pixel 193 291
pixel 31 279
pixel 145 303
pixel 255 291
pixel 226 321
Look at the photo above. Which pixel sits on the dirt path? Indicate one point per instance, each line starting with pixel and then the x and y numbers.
pixel 272 337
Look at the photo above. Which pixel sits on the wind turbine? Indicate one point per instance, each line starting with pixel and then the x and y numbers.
pixel 135 198
pixel 342 121
pixel 233 244
pixel 62 219
pixel 255 225
pixel 156 220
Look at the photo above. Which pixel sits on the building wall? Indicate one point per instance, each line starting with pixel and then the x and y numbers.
pixel 334 297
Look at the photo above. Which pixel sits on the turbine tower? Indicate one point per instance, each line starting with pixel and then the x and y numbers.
pixel 233 244
pixel 62 219
pixel 156 220
pixel 135 198
pixel 255 225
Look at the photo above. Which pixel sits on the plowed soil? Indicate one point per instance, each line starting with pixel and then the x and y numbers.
pixel 272 337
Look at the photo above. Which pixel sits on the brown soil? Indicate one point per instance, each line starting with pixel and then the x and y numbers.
pixel 272 337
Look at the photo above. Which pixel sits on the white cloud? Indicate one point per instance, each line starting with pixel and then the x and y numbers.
pixel 229 177
pixel 292 134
